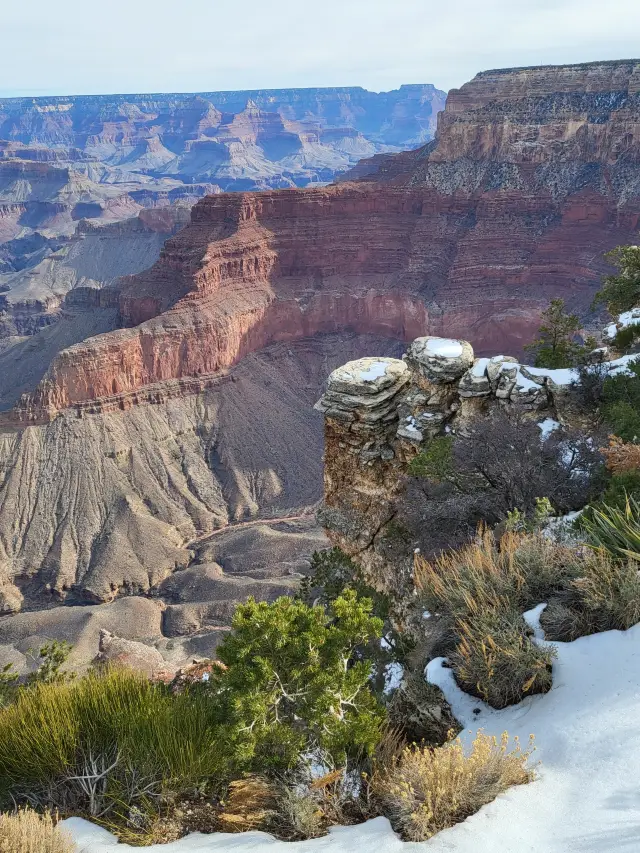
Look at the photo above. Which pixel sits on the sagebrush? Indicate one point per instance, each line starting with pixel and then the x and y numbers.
pixel 26 831
pixel 427 790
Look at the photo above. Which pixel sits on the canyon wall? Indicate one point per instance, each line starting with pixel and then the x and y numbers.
pixel 515 202
pixel 533 176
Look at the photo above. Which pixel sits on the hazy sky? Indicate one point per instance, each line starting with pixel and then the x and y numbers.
pixel 76 46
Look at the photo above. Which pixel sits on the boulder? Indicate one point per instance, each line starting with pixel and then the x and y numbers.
pixel 439 360
pixel 130 653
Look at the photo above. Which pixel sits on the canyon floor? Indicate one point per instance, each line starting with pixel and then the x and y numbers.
pixel 264 468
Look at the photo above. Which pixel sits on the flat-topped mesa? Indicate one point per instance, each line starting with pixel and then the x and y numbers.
pixel 562 129
pixel 379 413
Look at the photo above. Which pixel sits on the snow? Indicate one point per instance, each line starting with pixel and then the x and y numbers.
pixel 444 347
pixel 393 675
pixel 532 618
pixel 628 318
pixel 547 426
pixel 374 371
pixel 586 797
pixel 480 367
pixel 410 429
pixel 525 384
pixel 561 376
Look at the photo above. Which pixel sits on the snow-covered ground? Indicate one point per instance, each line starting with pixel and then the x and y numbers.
pixel 587 796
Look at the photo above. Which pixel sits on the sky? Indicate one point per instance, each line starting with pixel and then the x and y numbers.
pixel 58 47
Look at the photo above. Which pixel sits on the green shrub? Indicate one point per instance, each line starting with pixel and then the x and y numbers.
pixel 556 347
pixel 293 683
pixel 615 529
pixel 8 684
pixel 129 738
pixel 626 337
pixel 435 462
pixel 621 292
pixel 51 658
pixel 497 660
pixel 621 402
pixel 620 487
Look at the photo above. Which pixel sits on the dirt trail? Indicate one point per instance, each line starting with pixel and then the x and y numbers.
pixel 239 525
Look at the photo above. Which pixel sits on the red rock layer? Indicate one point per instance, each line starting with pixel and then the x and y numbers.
pixel 535 173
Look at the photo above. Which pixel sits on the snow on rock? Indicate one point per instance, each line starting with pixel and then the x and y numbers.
pixel 480 367
pixel 409 429
pixel 374 371
pixel 393 675
pixel 547 426
pixel 627 318
pixel 444 347
pixel 561 375
pixel 586 799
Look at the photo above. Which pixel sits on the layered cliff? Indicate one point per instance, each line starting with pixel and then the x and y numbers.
pixel 188 387
pixel 533 176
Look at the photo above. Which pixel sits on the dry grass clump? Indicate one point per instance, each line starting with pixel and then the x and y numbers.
pixel 509 574
pixel 26 831
pixel 605 598
pixel 250 803
pixel 621 456
pixel 477 596
pixel 497 660
pixel 427 790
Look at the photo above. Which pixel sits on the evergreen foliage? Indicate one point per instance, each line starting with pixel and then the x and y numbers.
pixel 293 684
pixel 621 402
pixel 556 346
pixel 621 292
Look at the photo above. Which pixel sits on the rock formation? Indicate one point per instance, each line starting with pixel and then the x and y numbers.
pixel 105 159
pixel 379 413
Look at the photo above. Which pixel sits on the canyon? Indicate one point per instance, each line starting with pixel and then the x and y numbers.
pixel 187 389
pixel 71 162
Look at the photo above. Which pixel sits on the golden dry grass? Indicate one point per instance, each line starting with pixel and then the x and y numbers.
pixel 427 790
pixel 249 804
pixel 621 456
pixel 27 831
pixel 487 574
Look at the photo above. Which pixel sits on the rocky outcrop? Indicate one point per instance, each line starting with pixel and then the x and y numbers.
pixel 117 651
pixel 379 413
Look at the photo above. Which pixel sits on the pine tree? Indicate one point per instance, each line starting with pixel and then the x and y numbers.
pixel 621 292
pixel 556 346
pixel 293 683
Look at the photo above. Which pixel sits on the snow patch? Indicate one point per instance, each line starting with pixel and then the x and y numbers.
pixel 480 367
pixel 547 426
pixel 532 618
pixel 374 371
pixel 444 347
pixel 627 318
pixel 393 675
